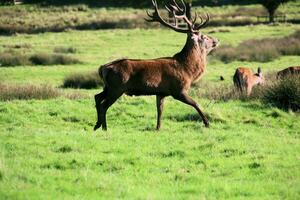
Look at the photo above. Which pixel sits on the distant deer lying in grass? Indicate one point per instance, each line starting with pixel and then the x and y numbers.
pixel 168 76
pixel 244 79
pixel 289 71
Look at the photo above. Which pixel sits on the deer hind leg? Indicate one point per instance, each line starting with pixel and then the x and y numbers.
pixel 183 97
pixel 99 98
pixel 249 90
pixel 160 107
pixel 109 100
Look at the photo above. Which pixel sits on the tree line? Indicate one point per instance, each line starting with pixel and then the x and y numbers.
pixel 270 5
pixel 134 3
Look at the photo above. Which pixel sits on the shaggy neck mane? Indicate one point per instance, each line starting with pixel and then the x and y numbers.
pixel 192 56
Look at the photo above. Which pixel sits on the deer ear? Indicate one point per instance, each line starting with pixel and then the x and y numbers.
pixel 259 71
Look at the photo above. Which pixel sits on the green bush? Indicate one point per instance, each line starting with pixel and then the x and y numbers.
pixel 18 46
pixel 52 59
pixel 284 93
pixel 263 50
pixel 226 53
pixel 10 92
pixel 25 92
pixel 10 60
pixel 84 81
pixel 65 50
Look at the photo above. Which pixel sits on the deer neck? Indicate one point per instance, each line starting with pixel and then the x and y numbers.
pixel 192 57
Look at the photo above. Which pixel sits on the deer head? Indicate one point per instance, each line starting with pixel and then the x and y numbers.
pixel 195 37
pixel 260 78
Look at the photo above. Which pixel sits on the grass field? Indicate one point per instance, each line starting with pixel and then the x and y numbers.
pixel 49 151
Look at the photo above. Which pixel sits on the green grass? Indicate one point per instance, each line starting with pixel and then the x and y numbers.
pixel 100 47
pixel 48 150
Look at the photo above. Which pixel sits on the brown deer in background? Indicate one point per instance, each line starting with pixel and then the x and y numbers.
pixel 244 79
pixel 289 71
pixel 168 76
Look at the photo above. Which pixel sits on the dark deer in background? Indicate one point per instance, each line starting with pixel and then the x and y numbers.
pixel 244 79
pixel 169 76
pixel 289 71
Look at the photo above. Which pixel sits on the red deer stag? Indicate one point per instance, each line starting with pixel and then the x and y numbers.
pixel 288 71
pixel 244 79
pixel 168 76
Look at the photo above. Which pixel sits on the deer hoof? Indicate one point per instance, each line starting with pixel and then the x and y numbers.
pixel 98 125
pixel 206 124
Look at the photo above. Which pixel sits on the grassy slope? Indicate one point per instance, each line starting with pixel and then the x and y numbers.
pixel 98 47
pixel 26 17
pixel 48 151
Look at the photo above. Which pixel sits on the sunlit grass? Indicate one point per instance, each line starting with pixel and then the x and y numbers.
pixel 48 149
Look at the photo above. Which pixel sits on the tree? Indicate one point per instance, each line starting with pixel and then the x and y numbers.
pixel 271 6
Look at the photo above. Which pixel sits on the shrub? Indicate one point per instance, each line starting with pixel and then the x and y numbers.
pixel 258 50
pixel 226 53
pixel 217 92
pixel 25 92
pixel 284 93
pixel 263 50
pixel 10 60
pixel 65 50
pixel 241 21
pixel 11 92
pixel 52 59
pixel 290 46
pixel 18 46
pixel 85 81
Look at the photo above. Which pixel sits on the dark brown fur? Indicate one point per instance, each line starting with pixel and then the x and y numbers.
pixel 289 71
pixel 170 76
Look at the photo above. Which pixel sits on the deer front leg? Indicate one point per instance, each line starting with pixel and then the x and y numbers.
pixel 160 107
pixel 183 97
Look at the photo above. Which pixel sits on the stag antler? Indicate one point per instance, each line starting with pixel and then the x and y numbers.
pixel 177 12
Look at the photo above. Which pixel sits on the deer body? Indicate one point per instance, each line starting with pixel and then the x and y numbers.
pixel 163 76
pixel 169 76
pixel 288 71
pixel 244 79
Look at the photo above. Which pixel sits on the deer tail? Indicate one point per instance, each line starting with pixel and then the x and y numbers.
pixel 237 80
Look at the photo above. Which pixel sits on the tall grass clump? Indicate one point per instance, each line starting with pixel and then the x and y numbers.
pixel 263 50
pixel 11 60
pixel 284 93
pixel 24 92
pixel 84 81
pixel 52 59
pixel 65 50
pixel 218 92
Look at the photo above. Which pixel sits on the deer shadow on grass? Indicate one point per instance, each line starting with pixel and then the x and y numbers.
pixel 194 117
